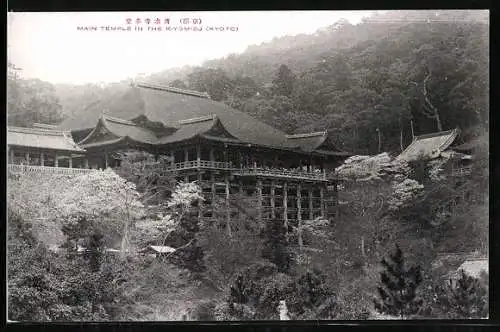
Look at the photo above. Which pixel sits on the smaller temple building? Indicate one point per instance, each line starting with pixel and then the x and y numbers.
pixel 41 148
pixel 440 146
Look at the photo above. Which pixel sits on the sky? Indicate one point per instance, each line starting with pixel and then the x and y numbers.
pixel 50 47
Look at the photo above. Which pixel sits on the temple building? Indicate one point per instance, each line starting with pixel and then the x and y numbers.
pixel 441 146
pixel 226 151
pixel 32 149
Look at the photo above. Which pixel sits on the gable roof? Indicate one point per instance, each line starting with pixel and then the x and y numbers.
pixel 115 130
pixel 316 142
pixel 41 139
pixel 169 105
pixel 429 145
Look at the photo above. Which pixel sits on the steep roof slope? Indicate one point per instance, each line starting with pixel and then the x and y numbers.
pixel 169 106
pixel 430 145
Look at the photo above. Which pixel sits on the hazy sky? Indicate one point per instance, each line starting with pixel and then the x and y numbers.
pixel 49 46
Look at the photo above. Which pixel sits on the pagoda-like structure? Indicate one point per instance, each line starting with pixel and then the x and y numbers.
pixel 226 151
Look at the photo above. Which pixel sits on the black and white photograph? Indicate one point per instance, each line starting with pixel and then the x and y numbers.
pixel 247 166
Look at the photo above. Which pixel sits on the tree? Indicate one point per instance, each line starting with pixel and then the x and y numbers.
pixel 284 81
pixel 213 81
pixel 103 199
pixel 398 293
pixel 276 245
pixel 30 100
pixel 464 298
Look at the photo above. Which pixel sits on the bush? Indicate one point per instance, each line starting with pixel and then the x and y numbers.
pixel 205 311
pixel 275 245
pixel 466 297
pixel 224 256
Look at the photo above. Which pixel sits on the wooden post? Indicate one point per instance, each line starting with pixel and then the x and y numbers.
pixel 172 157
pixel 311 212
pixel 86 163
pixel 186 154
pixel 259 199
pixel 299 213
pixel 285 204
pixel 56 160
pixel 212 155
pixel 322 201
pixel 27 157
pixel 273 210
pixel 228 209
pixel 70 162
pixel 241 187
pixel 241 159
pixel 212 180
pixel 105 159
pixel 198 154
pixel 199 203
pixel 42 159
pixel 11 155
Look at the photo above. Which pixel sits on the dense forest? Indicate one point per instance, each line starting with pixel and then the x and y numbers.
pixel 388 252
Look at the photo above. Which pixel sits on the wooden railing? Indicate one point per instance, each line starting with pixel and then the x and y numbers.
pixel 32 169
pixel 189 165
pixel 245 171
pixel 281 173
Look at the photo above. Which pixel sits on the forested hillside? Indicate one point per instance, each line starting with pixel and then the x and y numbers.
pixel 355 80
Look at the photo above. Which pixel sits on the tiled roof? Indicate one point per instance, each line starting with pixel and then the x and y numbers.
pixel 191 112
pixel 310 141
pixel 429 145
pixel 41 139
pixel 170 106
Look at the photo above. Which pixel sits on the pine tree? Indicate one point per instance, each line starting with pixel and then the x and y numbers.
pixel 284 81
pixel 465 298
pixel 398 293
pixel 275 245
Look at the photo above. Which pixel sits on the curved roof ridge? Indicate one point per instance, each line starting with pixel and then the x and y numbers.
pixel 118 120
pixel 313 134
pixel 436 134
pixel 209 117
pixel 46 131
pixel 157 86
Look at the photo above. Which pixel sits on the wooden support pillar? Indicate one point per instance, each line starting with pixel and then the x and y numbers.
pixel 172 157
pixel 259 199
pixel 273 204
pixel 105 159
pixel 285 204
pixel 186 154
pixel 299 212
pixel 212 155
pixel 27 157
pixel 311 212
pixel 70 162
pixel 86 163
pixel 198 154
pixel 322 201
pixel 200 212
pixel 42 159
pixel 11 155
pixel 212 181
pixel 56 160
pixel 228 207
pixel 241 187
